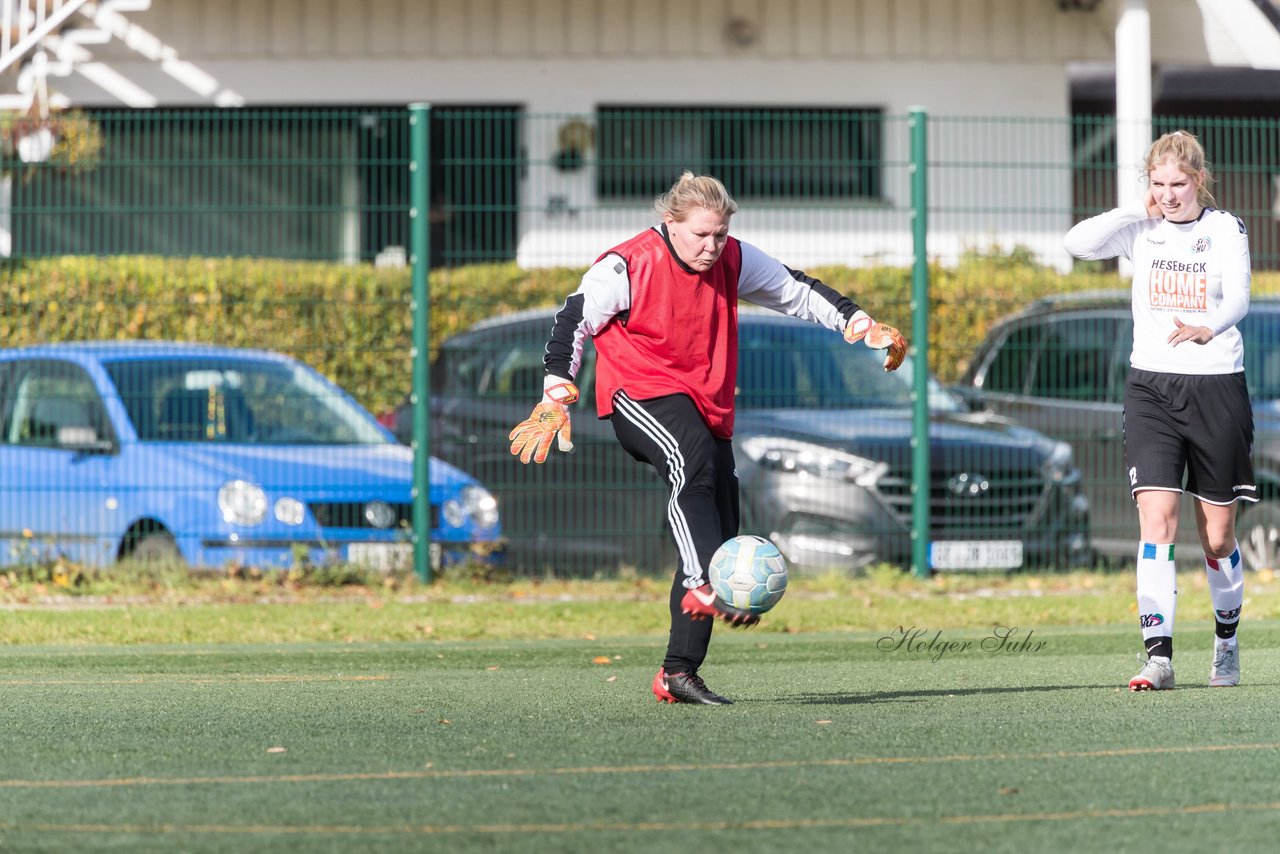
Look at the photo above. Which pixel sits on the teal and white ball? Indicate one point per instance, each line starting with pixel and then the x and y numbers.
pixel 748 572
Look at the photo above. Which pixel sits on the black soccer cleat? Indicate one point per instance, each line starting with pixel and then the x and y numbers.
pixel 685 688
pixel 702 602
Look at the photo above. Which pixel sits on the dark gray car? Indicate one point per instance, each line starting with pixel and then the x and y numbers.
pixel 823 449
pixel 1060 366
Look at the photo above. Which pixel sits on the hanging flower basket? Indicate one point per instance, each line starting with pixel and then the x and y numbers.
pixel 67 140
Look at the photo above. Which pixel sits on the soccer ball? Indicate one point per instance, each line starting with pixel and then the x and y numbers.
pixel 749 573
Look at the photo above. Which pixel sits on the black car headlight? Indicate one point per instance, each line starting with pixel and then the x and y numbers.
pixel 790 455
pixel 1060 465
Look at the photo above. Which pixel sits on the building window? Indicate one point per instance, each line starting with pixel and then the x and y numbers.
pixel 762 153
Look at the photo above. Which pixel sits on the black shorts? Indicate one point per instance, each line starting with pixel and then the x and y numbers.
pixel 1197 426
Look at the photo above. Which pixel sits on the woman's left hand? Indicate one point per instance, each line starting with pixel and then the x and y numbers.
pixel 1183 332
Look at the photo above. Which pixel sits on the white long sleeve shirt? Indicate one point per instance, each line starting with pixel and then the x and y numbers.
pixel 1197 272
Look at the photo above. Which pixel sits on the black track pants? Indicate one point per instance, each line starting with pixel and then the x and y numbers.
pixel 670 435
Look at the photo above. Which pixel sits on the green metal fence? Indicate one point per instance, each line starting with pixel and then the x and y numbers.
pixel 295 231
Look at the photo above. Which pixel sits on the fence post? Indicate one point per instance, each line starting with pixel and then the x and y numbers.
pixel 920 478
pixel 420 261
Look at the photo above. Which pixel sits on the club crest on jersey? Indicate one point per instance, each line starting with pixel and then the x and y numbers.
pixel 1149 620
pixel 1201 245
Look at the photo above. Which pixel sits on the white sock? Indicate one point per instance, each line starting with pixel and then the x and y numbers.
pixel 1226 587
pixel 1157 589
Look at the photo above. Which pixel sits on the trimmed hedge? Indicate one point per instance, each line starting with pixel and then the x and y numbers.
pixel 353 322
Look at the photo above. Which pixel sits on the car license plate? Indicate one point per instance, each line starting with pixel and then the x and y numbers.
pixel 976 554
pixel 385 557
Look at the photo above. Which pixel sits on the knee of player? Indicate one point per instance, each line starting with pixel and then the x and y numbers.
pixel 1218 545
pixel 1158 524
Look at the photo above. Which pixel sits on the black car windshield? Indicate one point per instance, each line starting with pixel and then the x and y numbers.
pixel 806 366
pixel 237 401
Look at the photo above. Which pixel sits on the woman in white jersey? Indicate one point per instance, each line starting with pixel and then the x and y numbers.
pixel 1186 407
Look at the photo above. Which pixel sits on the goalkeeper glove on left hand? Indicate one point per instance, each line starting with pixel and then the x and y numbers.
pixel 877 336
pixel 531 438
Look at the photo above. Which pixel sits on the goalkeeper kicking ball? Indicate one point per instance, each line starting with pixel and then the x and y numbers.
pixel 749 573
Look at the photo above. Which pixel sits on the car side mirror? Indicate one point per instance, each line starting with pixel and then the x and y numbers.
pixel 970 396
pixel 83 439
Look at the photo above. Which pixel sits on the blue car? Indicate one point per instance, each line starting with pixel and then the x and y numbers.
pixel 215 457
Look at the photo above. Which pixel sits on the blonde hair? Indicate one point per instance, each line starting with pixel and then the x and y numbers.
pixel 1183 150
pixel 690 192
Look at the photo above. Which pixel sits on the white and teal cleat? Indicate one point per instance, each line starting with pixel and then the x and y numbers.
pixel 1155 675
pixel 1226 665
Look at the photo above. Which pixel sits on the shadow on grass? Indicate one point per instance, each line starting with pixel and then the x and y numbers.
pixel 919 695
pixel 914 695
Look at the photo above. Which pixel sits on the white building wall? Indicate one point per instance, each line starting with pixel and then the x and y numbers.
pixel 1009 30
pixel 1005 58
pixel 399 51
pixel 810 235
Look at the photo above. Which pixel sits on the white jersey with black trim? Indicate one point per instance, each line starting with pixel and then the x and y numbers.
pixel 1197 272
pixel 769 283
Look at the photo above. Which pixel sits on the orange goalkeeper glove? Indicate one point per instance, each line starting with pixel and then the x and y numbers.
pixel 531 438
pixel 877 336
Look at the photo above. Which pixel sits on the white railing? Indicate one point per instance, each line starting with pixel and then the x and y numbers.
pixel 23 23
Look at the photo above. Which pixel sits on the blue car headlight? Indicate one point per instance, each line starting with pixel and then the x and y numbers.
pixel 474 503
pixel 242 503
pixel 790 455
pixel 290 511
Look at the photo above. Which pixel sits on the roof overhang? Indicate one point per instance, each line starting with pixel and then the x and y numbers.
pixel 1238 32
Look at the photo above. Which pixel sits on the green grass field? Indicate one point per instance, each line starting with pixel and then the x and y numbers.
pixel 840 741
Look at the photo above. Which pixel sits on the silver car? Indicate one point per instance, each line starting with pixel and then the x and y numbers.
pixel 823 450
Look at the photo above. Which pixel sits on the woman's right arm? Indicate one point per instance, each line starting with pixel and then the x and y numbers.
pixel 1106 235
pixel 604 293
